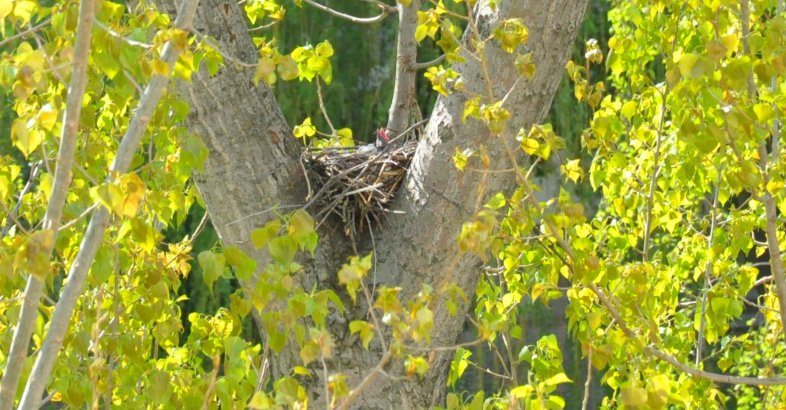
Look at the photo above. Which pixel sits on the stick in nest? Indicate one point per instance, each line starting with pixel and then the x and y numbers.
pixel 356 186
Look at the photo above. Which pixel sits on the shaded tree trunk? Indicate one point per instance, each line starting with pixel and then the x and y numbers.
pixel 253 167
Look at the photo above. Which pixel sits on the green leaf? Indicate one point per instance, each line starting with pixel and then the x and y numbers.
pixel 557 379
pixel 365 330
pixel 27 140
pixel 261 236
pixel 260 401
pixel 212 266
pixel 301 224
pixel 694 66
pixel 764 112
pixel 282 249
pixel 511 34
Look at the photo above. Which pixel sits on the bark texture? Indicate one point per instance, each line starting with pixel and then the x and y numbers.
pixel 253 167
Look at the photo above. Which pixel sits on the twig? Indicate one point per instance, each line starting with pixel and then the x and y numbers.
pixel 264 26
pixel 209 41
pixel 264 211
pixel 201 226
pixel 445 348
pixel 407 131
pixel 325 381
pixel 588 382
pixel 31 30
pixel 212 382
pixel 708 271
pixel 355 393
pixel 12 214
pixel 511 360
pixel 322 107
pixel 770 209
pixel 119 36
pixel 427 64
pixel 762 281
pixel 75 220
pixel 386 10
pixel 654 179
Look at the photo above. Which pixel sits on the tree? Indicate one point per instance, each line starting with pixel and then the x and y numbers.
pixel 253 165
pixel 673 284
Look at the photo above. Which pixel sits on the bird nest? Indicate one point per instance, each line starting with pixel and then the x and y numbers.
pixel 354 185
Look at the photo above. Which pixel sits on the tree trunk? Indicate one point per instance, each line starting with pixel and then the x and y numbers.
pixel 253 167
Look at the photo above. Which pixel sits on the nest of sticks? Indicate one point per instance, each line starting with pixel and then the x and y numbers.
pixel 355 186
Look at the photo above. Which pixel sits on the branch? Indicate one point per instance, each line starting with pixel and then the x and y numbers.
pixel 323 109
pixel 386 10
pixel 11 217
pixel 588 382
pixel 770 209
pixel 54 211
pixel 77 275
pixel 355 393
pixel 427 64
pixel 708 270
pixel 115 34
pixel 33 29
pixel 406 57
pixel 212 382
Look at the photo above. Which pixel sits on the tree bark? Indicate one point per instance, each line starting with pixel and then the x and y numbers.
pixel 253 168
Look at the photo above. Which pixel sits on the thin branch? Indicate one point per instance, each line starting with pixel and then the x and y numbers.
pixel 115 34
pixel 78 218
pixel 12 219
pixel 264 26
pixel 770 209
pixel 212 382
pixel 355 393
pixel 54 211
pixel 201 226
pixel 31 30
pixel 762 281
pixel 489 371
pixel 77 275
pixel 588 382
pixel 511 359
pixel 708 270
pixel 322 107
pixel 325 381
pixel 445 348
pixel 427 64
pixel 386 10
pixel 654 179
pixel 209 41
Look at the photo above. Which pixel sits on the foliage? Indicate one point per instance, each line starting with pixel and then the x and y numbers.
pixel 665 284
pixel 686 155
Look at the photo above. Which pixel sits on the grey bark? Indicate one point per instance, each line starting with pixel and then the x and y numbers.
pixel 406 57
pixel 253 167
